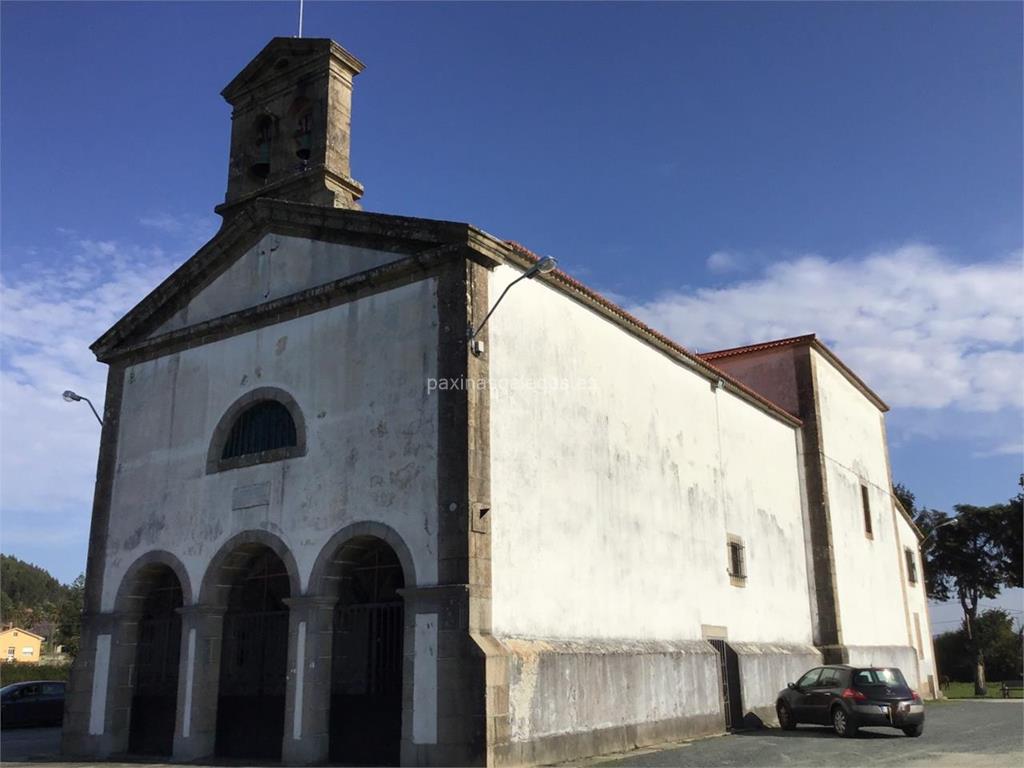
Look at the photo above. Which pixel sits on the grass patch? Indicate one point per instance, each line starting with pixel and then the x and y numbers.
pixel 959 690
pixel 18 672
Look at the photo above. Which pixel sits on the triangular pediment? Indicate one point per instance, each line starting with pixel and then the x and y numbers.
pixel 281 57
pixel 276 250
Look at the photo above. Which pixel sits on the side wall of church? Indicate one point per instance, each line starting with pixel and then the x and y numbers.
pixel 618 477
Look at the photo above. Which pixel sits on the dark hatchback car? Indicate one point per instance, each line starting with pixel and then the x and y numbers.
pixel 39 702
pixel 849 698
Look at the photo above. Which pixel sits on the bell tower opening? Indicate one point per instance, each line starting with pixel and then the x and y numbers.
pixel 291 126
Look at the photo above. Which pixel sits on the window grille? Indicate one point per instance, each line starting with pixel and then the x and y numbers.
pixel 264 426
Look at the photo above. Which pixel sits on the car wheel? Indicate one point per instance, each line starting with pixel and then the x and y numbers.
pixel 914 730
pixel 841 723
pixel 786 720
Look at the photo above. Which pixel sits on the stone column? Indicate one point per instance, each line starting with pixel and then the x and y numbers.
pixel 121 687
pixel 195 732
pixel 85 732
pixel 307 707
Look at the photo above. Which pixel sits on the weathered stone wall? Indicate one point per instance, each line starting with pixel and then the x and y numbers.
pixel 277 266
pixel 568 699
pixel 901 656
pixel 766 669
pixel 358 374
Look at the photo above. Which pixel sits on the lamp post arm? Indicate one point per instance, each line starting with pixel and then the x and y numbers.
pixel 93 410
pixel 490 312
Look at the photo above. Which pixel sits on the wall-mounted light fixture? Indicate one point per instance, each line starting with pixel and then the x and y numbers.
pixel 72 397
pixel 542 267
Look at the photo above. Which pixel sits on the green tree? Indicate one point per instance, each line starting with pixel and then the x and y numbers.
pixel 907 499
pixel 1004 654
pixel 971 560
pixel 69 617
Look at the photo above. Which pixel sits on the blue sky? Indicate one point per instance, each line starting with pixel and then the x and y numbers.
pixel 731 172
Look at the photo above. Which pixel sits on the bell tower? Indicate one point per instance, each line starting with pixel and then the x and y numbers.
pixel 290 126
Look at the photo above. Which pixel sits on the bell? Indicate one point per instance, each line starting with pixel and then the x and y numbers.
pixel 261 166
pixel 304 141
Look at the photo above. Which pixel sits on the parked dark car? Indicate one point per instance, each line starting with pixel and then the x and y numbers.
pixel 849 698
pixel 39 702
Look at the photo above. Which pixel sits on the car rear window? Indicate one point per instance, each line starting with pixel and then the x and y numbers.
pixel 889 676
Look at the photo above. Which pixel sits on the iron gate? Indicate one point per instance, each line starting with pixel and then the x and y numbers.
pixel 155 694
pixel 250 705
pixel 254 662
pixel 366 685
pixel 732 702
pixel 154 676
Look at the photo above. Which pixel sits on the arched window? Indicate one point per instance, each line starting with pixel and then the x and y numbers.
pixel 263 426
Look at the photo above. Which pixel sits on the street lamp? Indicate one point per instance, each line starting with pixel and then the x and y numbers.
pixel 951 521
pixel 72 397
pixel 542 267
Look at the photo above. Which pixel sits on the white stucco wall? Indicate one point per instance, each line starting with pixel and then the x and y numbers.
pixel 277 266
pixel 867 569
pixel 917 610
pixel 612 497
pixel 358 373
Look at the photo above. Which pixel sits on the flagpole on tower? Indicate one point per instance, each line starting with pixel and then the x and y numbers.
pixel 300 18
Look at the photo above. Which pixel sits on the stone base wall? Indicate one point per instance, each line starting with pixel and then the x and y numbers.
pixel 902 656
pixel 765 670
pixel 572 699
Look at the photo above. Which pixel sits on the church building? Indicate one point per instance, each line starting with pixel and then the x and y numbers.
pixel 345 513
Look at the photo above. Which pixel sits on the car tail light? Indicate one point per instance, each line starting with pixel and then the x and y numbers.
pixel 916 695
pixel 850 693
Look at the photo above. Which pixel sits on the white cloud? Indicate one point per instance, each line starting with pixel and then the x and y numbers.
pixel 51 314
pixel 722 261
pixel 188 227
pixel 923 330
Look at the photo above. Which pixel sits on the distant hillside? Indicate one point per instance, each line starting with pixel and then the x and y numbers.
pixel 29 596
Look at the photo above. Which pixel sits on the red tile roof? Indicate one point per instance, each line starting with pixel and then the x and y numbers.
pixel 578 287
pixel 790 342
pixel 793 341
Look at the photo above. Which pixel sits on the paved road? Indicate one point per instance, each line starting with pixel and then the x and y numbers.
pixel 960 734
pixel 964 734
pixel 27 743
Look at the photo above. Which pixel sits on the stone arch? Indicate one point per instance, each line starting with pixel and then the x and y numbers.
pixel 364 573
pixel 140 574
pixel 214 462
pixel 217 581
pixel 326 569
pixel 146 650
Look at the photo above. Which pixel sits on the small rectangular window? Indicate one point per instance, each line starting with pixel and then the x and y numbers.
pixel 10 650
pixel 866 503
pixel 26 651
pixel 911 565
pixel 737 561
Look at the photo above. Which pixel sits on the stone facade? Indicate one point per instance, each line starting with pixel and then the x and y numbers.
pixel 439 567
